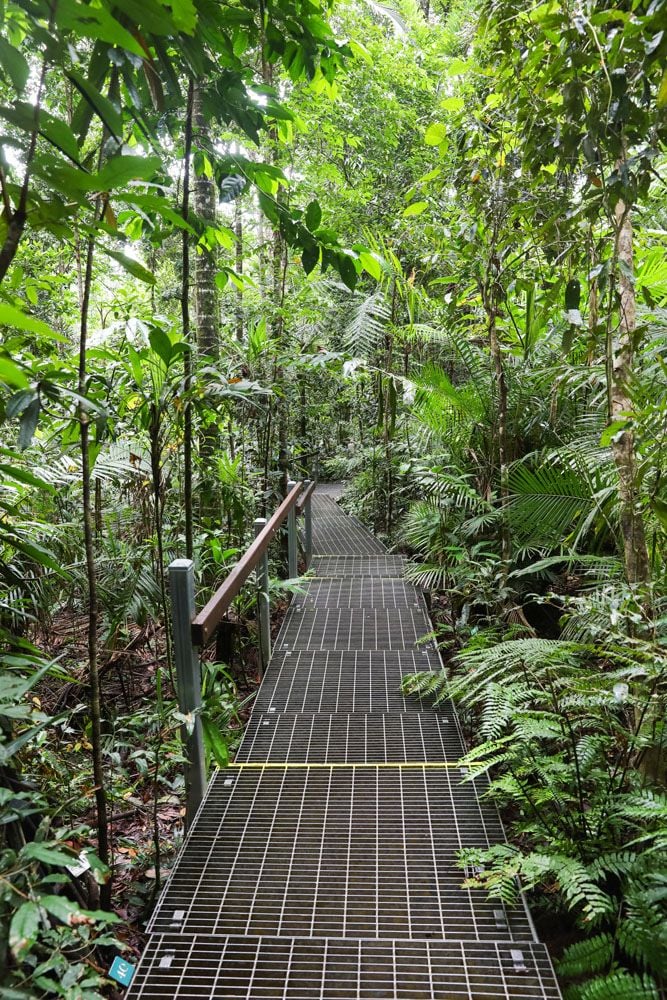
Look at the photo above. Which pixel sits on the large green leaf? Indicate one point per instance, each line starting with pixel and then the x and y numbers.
pixel 153 203
pixel 347 270
pixel 150 15
pixel 12 317
pixel 36 552
pixel 36 851
pixel 371 264
pixel 310 256
pixel 161 344
pixel 14 65
pixel 11 374
pixel 101 105
pixel 54 130
pixel 90 22
pixel 23 476
pixel 120 170
pixel 313 216
pixel 132 266
pixel 28 422
pixel 435 134
pixel 214 742
pixel 416 208
pixel 184 14
pixel 24 929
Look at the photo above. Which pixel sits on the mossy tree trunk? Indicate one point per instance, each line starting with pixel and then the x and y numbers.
pixel 635 550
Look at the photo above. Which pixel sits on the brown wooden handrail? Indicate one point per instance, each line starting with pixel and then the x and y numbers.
pixel 204 625
pixel 303 500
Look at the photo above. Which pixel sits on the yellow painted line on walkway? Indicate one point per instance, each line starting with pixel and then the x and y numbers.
pixel 354 764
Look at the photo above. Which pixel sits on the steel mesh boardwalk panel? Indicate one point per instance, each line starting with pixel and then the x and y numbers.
pixel 340 535
pixel 365 592
pixel 331 681
pixel 348 852
pixel 355 628
pixel 346 739
pixel 355 566
pixel 271 968
pixel 330 490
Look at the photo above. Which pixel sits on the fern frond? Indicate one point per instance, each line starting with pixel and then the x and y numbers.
pixel 427 684
pixel 620 985
pixel 589 956
pixel 510 661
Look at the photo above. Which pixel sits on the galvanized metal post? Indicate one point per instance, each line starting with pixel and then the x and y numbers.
pixel 188 680
pixel 308 526
pixel 263 602
pixel 292 540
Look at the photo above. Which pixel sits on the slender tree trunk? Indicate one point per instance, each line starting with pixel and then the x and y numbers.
pixel 158 524
pixel 98 507
pixel 593 308
pixel 623 444
pixel 91 575
pixel 278 271
pixel 501 428
pixel 205 203
pixel 185 320
pixel 261 253
pixel 238 233
pixel 206 304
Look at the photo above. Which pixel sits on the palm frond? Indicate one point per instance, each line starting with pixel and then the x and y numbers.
pixel 366 327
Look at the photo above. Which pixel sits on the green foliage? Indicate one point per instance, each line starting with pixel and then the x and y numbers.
pixel 459 172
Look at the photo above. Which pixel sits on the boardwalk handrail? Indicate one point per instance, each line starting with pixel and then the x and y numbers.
pixel 192 630
pixel 206 622
pixel 307 493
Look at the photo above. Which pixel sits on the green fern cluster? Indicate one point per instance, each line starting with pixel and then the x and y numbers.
pixel 572 742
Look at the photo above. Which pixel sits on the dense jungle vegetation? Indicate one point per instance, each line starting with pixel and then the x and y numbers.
pixel 422 247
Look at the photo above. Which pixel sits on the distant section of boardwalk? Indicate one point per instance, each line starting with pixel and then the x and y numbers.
pixel 322 864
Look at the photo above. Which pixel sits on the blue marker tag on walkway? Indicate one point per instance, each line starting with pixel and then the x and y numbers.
pixel 122 971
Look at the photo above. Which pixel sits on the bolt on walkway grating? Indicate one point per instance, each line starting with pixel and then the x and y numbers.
pixel 355 566
pixel 365 592
pixel 347 739
pixel 355 628
pixel 271 968
pixel 341 852
pixel 354 681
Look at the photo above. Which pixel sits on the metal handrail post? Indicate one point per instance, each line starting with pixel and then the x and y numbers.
pixel 292 549
pixel 188 681
pixel 308 525
pixel 263 601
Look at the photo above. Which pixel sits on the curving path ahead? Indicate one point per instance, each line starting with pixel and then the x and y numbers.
pixel 322 863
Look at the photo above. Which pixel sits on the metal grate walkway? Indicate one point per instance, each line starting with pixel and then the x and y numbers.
pixel 322 864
